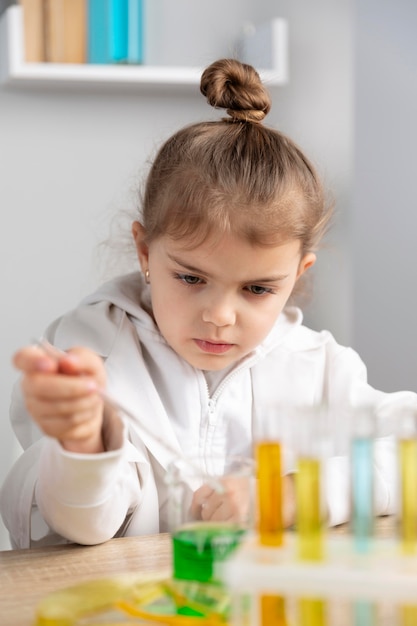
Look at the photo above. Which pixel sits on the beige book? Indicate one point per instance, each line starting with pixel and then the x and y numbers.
pixel 33 30
pixel 66 31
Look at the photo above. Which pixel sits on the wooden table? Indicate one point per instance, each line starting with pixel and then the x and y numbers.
pixel 26 576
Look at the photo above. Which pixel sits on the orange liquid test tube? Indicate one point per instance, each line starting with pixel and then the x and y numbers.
pixel 270 521
pixel 273 611
pixel 270 518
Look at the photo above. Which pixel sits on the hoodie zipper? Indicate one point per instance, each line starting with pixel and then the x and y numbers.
pixel 212 404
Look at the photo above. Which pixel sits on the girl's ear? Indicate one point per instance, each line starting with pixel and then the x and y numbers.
pixel 142 248
pixel 306 262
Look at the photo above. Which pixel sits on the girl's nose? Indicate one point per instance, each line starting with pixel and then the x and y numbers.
pixel 219 312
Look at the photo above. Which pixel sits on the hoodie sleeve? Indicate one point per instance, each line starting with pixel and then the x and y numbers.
pixel 51 496
pixel 347 388
pixel 87 497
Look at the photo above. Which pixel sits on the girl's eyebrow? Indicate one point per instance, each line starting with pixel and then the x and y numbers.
pixel 186 266
pixel 197 270
pixel 269 279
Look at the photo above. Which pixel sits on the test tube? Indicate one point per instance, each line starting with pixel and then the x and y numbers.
pixel 407 457
pixel 312 612
pixel 364 613
pixel 268 448
pixel 312 438
pixel 408 615
pixel 270 519
pixel 362 497
pixel 273 611
pixel 407 453
pixel 362 478
pixel 309 516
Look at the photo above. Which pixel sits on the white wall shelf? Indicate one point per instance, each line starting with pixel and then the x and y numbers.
pixel 15 71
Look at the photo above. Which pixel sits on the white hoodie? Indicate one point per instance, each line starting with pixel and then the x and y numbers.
pixel 54 496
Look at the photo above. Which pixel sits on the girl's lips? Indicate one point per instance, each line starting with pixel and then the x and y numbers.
pixel 213 348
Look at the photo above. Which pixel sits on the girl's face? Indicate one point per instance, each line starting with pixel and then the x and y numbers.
pixel 214 304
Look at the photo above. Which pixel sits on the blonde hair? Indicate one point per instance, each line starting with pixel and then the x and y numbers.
pixel 234 175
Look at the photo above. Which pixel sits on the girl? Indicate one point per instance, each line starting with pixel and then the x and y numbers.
pixel 195 344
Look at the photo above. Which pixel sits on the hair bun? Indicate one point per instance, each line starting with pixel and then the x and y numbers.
pixel 235 86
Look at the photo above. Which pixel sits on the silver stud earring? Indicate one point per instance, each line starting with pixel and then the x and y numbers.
pixel 147 277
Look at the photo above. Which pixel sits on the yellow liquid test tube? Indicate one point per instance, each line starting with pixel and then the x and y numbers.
pixel 408 615
pixel 408 479
pixel 308 501
pixel 312 612
pixel 270 519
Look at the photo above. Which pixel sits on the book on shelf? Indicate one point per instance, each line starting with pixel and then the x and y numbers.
pixel 135 32
pixel 97 31
pixel 65 28
pixel 82 31
pixel 115 31
pixel 33 30
pixel 118 31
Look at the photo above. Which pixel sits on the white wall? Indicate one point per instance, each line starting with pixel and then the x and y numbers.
pixel 351 103
pixel 384 209
pixel 316 109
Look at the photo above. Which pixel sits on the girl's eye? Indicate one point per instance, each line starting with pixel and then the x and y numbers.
pixel 257 290
pixel 189 279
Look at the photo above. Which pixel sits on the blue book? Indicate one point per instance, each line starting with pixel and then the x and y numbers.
pixel 135 31
pixel 98 31
pixel 118 31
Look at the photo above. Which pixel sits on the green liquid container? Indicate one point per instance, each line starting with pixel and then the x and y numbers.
pixel 197 548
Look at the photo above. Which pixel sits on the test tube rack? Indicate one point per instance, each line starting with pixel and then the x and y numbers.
pixel 382 577
pixel 374 578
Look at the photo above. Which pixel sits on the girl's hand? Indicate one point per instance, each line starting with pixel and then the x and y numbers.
pixel 233 505
pixel 61 396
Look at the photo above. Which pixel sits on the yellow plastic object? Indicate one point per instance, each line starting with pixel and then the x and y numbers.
pixel 121 601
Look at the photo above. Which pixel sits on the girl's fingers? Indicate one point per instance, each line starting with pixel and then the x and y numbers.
pixel 216 509
pixel 208 505
pixel 34 359
pixel 57 387
pixel 68 420
pixel 62 407
pixel 200 497
pixel 82 361
pixel 232 505
pixel 78 427
pixel 61 395
pixel 77 361
pixel 77 374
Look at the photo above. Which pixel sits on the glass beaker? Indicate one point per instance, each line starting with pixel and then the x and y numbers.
pixel 210 509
